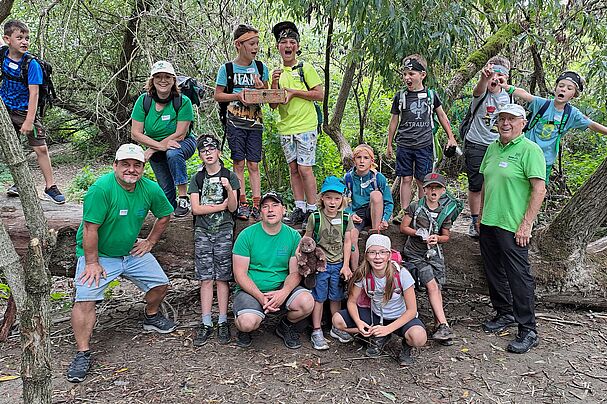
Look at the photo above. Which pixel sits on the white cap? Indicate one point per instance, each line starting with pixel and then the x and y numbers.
pixel 512 109
pixel 162 66
pixel 378 240
pixel 130 151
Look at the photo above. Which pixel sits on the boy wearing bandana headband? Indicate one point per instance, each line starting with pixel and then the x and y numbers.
pixel 554 123
pixel 297 121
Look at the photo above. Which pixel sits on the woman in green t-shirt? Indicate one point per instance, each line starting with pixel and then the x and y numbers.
pixel 161 121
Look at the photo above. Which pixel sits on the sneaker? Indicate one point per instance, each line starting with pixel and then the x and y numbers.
pixel 295 217
pixel 158 323
pixel 472 232
pixel 243 212
pixel 376 345
pixel 55 195
pixel 318 340
pixel 398 219
pixel 443 332
pixel 183 206
pixel 304 223
pixel 405 358
pixel 12 191
pixel 340 335
pixel 255 213
pixel 289 335
pixel 499 323
pixel 203 334
pixel 223 333
pixel 79 367
pixel 243 339
pixel 524 342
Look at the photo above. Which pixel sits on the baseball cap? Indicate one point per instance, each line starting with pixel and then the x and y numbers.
pixel 162 66
pixel 207 140
pixel 434 178
pixel 378 240
pixel 130 151
pixel 512 109
pixel 271 195
pixel 332 183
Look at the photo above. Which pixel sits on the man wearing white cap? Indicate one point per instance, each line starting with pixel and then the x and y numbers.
pixel 107 246
pixel 514 168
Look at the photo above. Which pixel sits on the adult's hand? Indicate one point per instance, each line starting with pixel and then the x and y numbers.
pixel 170 144
pixel 275 299
pixel 142 247
pixel 92 273
pixel 523 234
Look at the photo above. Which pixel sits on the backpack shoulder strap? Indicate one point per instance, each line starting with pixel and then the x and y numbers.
pixel 479 104
pixel 402 103
pixel 259 65
pixel 25 64
pixel 317 220
pixel 229 77
pixel 397 278
pixel 177 102
pixel 447 209
pixel 374 180
pixel 348 181
pixel 147 104
pixel 535 119
pixel 345 218
pixel 418 209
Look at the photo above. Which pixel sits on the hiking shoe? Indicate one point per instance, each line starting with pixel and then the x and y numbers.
pixel 295 217
pixel 183 206
pixel 203 334
pixel 256 214
pixel 405 358
pixel 289 335
pixel 55 195
pixel 398 219
pixel 79 367
pixel 472 232
pixel 499 323
pixel 304 223
pixel 376 345
pixel 158 323
pixel 318 340
pixel 340 335
pixel 243 339
pixel 12 191
pixel 243 212
pixel 443 332
pixel 524 342
pixel 223 333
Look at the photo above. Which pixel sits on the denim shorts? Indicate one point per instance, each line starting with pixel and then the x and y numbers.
pixel 213 254
pixel 245 144
pixel 300 147
pixel 473 157
pixel 329 284
pixel 365 315
pixel 244 303
pixel 406 158
pixel 144 272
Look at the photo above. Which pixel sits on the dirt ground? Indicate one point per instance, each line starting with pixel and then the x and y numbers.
pixel 130 366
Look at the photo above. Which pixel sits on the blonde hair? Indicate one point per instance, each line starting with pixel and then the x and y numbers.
pixel 363 147
pixel 364 269
pixel 422 61
pixel 321 205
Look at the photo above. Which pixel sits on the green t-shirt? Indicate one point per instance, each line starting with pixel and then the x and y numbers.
pixel 330 235
pixel 120 213
pixel 269 254
pixel 298 115
pixel 507 170
pixel 160 124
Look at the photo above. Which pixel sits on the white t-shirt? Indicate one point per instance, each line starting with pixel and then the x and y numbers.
pixel 395 307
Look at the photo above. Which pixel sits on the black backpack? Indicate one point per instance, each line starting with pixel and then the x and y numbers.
pixel 191 88
pixel 147 104
pixel 229 88
pixel 47 94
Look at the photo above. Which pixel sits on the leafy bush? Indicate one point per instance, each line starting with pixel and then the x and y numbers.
pixel 82 181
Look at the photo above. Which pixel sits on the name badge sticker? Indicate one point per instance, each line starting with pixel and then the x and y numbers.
pixel 123 212
pixel 13 65
pixel 336 221
pixel 165 117
pixel 251 70
pixel 214 180
pixel 503 164
pixel 422 95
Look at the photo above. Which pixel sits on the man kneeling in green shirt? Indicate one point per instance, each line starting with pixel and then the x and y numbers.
pixel 265 269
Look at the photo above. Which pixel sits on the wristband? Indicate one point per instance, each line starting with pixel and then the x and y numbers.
pixel 511 90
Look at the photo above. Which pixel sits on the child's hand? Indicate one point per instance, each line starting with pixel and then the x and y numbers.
pixel 258 83
pixel 363 328
pixel 241 97
pixel 383 225
pixel 226 184
pixel 487 71
pixel 27 127
pixel 276 77
pixel 380 331
pixel 224 204
pixel 503 82
pixel 356 218
pixel 346 272
pixel 290 95
pixel 432 240
pixel 389 152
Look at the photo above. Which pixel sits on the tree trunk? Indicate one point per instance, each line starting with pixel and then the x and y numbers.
pixel 539 77
pixel 9 318
pixel 5 9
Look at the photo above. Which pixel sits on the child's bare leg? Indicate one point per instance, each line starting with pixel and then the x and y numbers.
pixel 416 336
pixel 354 255
pixel 238 166
pixel 206 297
pixel 405 191
pixel 376 204
pixel 335 306
pixel 317 315
pixel 223 293
pixel 436 302
pixel 340 324
pixel 420 189
pixel 254 177
pixel 309 182
pixel 297 184
pixel 44 161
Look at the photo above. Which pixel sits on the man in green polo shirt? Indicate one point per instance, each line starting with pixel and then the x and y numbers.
pixel 107 247
pixel 513 191
pixel 265 269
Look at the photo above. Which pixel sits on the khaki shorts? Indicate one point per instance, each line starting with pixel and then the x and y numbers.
pixel 37 137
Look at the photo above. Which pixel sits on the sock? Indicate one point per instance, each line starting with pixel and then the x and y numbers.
pixel 243 199
pixel 150 315
pixel 206 319
pixel 256 200
pixel 223 318
pixel 474 218
pixel 310 208
pixel 301 205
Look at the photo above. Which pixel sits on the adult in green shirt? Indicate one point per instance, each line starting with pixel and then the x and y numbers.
pixel 161 121
pixel 265 269
pixel 107 247
pixel 512 195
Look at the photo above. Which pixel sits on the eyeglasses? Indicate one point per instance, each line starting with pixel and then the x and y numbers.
pixel 163 77
pixel 208 150
pixel 381 253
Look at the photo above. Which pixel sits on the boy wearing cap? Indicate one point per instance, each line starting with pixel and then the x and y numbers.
pixel 330 227
pixel 487 97
pixel 213 192
pixel 107 247
pixel 552 119
pixel 297 122
pixel 21 80
pixel 512 195
pixel 422 248
pixel 244 122
pixel 412 112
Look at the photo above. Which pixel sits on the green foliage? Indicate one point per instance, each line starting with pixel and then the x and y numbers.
pixel 82 181
pixel 5 291
pixel 109 291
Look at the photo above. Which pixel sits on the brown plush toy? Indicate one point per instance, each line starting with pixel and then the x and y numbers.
pixel 310 260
